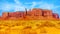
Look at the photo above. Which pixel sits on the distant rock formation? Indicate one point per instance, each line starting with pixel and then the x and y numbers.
pixel 35 13
pixel 55 15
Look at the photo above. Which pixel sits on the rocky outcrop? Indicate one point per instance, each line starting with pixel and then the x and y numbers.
pixel 35 13
pixel 0 17
pixel 5 15
pixel 55 15
pixel 16 14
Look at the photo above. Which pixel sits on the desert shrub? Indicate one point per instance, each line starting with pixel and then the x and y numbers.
pixel 58 25
pixel 48 24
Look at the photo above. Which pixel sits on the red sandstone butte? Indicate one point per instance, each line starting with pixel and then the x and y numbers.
pixel 55 15
pixel 47 13
pixel 0 17
pixel 16 14
pixel 5 15
pixel 37 12
pixel 33 14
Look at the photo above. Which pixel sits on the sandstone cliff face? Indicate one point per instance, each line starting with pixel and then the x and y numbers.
pixel 55 15
pixel 16 14
pixel 5 15
pixel 47 14
pixel 35 13
pixel 0 17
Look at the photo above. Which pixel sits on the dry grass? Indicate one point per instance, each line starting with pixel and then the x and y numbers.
pixel 29 27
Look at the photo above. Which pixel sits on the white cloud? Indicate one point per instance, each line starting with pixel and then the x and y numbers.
pixel 6 7
pixel 33 4
pixel 19 6
pixel 17 1
pixel 47 6
pixel 42 5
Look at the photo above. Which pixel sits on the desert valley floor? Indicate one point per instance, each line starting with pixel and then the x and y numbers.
pixel 29 27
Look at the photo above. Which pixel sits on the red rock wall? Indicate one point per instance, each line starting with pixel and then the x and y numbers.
pixel 35 13
pixel 55 15
pixel 0 17
pixel 5 14
pixel 16 14
pixel 47 14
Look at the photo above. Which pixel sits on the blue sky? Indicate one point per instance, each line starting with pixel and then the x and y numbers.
pixel 19 5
